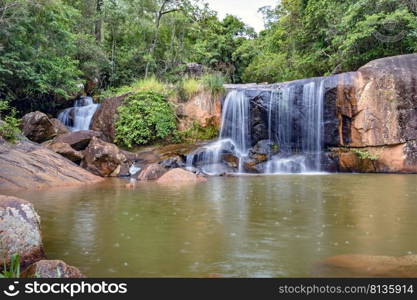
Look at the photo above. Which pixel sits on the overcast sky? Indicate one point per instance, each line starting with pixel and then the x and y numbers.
pixel 247 10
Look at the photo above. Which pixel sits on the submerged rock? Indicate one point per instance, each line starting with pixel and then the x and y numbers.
pixel 52 269
pixel 105 159
pixel 180 176
pixel 29 165
pixel 152 172
pixel 20 232
pixel 38 127
pixel 367 266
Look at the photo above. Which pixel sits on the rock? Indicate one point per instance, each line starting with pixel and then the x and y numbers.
pixel 51 269
pixel 180 176
pixel 173 162
pixel 29 165
pixel 264 147
pixel 367 266
pixel 90 86
pixel 37 127
pixel 60 127
pixel 105 159
pixel 381 117
pixel 152 172
pixel 67 151
pixel 194 69
pixel 105 117
pixel 78 140
pixel 20 232
pixel 231 160
pixel 203 109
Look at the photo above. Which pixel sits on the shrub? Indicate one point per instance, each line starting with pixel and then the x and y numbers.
pixel 145 117
pixel 214 83
pixel 364 154
pixel 9 126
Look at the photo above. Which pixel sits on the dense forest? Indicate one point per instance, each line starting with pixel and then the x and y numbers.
pixel 49 47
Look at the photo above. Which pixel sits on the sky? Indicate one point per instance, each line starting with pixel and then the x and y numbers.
pixel 246 10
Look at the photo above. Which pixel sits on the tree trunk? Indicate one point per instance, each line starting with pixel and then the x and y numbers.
pixel 99 21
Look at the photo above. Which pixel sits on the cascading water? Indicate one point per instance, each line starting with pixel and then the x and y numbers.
pixel 299 123
pixel 234 137
pixel 294 131
pixel 79 117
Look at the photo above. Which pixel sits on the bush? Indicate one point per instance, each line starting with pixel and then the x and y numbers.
pixel 9 124
pixel 214 83
pixel 145 117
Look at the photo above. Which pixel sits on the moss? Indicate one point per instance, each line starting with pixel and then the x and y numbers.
pixel 198 133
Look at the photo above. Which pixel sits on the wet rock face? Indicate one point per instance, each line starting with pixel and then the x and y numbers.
pixel 20 231
pixel 367 266
pixel 38 127
pixel 105 159
pixel 51 269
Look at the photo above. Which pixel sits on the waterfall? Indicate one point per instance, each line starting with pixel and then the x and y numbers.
pixel 299 123
pixel 79 117
pixel 234 137
pixel 294 125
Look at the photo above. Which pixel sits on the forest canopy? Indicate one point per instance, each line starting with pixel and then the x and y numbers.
pixel 49 47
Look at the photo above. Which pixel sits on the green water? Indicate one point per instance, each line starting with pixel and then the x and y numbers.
pixel 268 226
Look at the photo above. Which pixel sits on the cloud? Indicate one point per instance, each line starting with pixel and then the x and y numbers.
pixel 247 10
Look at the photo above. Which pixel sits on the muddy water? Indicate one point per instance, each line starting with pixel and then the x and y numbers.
pixel 265 226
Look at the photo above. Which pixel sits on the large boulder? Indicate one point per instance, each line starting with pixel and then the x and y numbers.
pixel 381 116
pixel 20 232
pixel 38 127
pixel 180 176
pixel 367 266
pixel 152 172
pixel 67 151
pixel 28 165
pixel 105 159
pixel 105 117
pixel 51 269
pixel 79 140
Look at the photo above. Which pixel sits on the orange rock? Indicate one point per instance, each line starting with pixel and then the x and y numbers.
pixel 180 176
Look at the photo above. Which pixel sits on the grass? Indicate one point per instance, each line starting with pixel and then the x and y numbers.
pixel 214 83
pixel 151 84
pixel 14 271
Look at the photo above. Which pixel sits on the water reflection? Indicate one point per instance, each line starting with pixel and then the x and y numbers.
pixel 240 226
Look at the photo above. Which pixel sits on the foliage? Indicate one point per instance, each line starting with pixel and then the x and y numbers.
pixel 9 128
pixel 363 154
pixel 322 37
pixel 198 133
pixel 214 83
pixel 145 117
pixel 14 271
